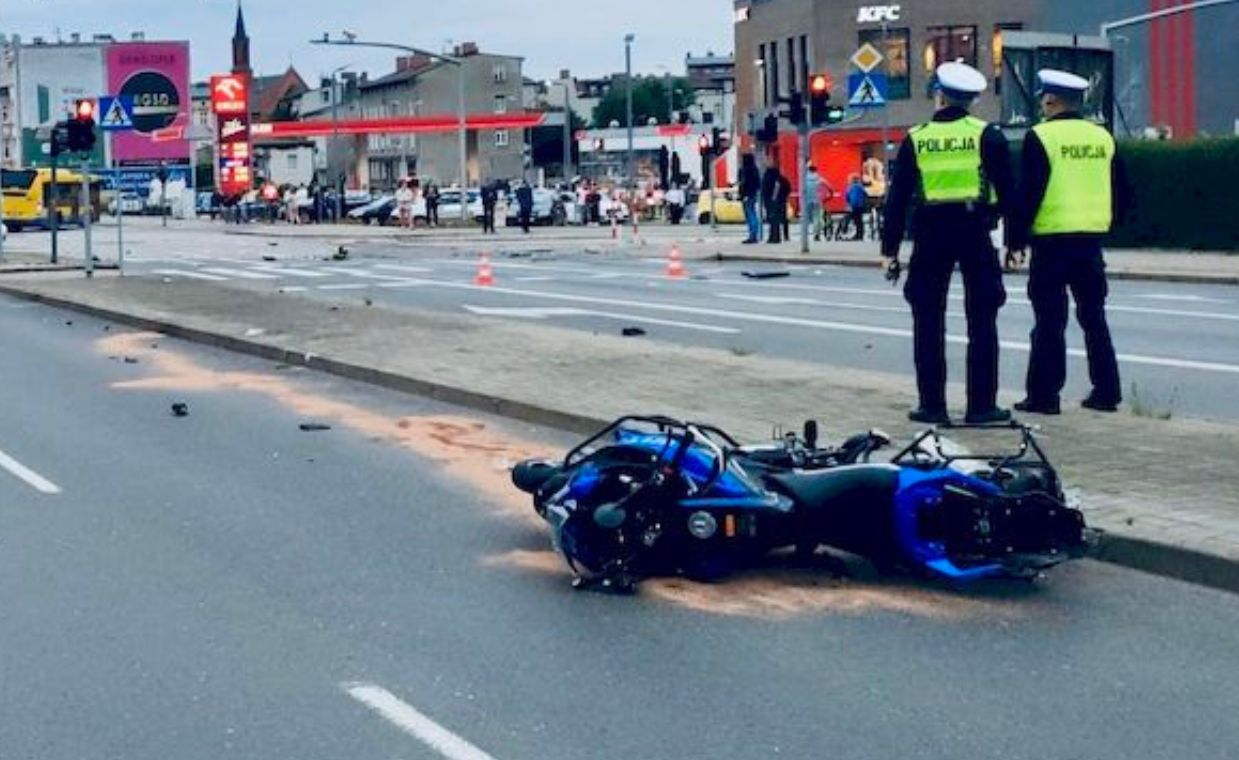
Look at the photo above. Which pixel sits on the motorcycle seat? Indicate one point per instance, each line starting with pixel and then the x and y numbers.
pixel 855 486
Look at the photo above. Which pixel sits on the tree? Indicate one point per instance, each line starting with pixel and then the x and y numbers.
pixel 649 99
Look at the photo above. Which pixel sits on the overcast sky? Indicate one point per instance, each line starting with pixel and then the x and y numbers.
pixel 584 36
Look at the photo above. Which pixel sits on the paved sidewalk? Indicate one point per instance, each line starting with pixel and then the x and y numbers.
pixel 1159 487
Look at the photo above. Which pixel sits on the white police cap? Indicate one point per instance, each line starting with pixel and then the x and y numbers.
pixel 1056 82
pixel 961 80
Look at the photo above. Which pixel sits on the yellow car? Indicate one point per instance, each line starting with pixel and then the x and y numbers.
pixel 729 209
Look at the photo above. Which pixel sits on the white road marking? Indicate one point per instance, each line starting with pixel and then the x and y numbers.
pixel 770 300
pixel 534 279
pixel 31 478
pixel 403 268
pixel 1186 298
pixel 290 271
pixel 242 273
pixel 361 273
pixel 1171 312
pixel 401 284
pixel 189 275
pixel 414 723
pixel 345 286
pixel 848 327
pixel 294 289
pixel 537 312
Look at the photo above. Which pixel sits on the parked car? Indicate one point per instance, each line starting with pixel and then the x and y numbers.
pixel 376 211
pixel 729 208
pixel 449 204
pixel 548 208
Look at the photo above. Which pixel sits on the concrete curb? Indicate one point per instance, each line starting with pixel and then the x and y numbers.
pixel 1172 277
pixel 1166 560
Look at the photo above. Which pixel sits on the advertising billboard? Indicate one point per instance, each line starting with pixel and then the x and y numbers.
pixel 156 76
pixel 52 77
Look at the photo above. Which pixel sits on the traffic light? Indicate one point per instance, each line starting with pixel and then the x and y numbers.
pixel 819 99
pixel 81 128
pixel 795 112
pixel 835 114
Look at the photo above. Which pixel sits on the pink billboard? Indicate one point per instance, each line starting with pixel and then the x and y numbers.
pixel 156 76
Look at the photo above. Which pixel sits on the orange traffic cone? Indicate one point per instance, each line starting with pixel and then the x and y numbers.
pixel 485 276
pixel 675 266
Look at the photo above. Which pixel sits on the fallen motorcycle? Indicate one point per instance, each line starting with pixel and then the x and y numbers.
pixel 652 496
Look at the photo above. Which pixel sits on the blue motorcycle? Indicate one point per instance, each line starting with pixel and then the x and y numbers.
pixel 653 496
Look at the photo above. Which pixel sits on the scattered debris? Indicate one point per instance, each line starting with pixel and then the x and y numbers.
pixel 341 254
pixel 272 244
pixel 282 367
pixel 268 258
pixel 868 346
pixel 333 308
pixel 254 332
pixel 106 328
pixel 632 332
pixel 155 346
pixel 369 302
pixel 167 280
pixel 314 427
pixel 180 410
pixel 765 274
pixel 69 322
pixel 131 360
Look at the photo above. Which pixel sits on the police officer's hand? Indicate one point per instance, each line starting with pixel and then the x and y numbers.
pixel 894 270
pixel 1014 259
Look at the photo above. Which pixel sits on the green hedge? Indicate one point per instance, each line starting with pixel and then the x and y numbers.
pixel 1184 195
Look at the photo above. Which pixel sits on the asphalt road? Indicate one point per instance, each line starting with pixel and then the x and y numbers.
pixel 228 585
pixel 1178 343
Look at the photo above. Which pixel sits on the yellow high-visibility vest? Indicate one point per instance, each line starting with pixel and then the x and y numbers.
pixel 1079 196
pixel 948 155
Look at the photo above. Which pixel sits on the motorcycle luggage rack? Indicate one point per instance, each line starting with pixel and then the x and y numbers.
pixel 664 424
pixel 1028 443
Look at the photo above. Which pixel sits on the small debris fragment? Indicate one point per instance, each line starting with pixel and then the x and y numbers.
pixel 106 328
pixel 632 332
pixel 268 258
pixel 180 410
pixel 131 360
pixel 254 332
pixel 341 254
pixel 369 302
pixel 333 308
pixel 282 367
pixel 272 244
pixel 765 274
pixel 314 427
pixel 69 322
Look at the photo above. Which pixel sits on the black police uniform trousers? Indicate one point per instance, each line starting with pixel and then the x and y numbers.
pixel 938 248
pixel 1058 264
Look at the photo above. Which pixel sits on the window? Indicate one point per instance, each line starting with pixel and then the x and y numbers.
pixel 501 138
pixel 500 73
pixel 995 49
pixel 292 162
pixel 949 43
pixel 501 104
pixel 898 73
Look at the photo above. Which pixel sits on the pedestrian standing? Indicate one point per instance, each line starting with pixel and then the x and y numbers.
pixel 857 200
pixel 750 192
pixel 524 201
pixel 769 189
pixel 675 204
pixel 1073 188
pixel 404 204
pixel 782 196
pixel 490 197
pixel 432 204
pixel 954 172
pixel 290 205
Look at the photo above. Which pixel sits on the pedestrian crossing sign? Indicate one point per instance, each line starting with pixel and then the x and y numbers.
pixel 116 114
pixel 867 90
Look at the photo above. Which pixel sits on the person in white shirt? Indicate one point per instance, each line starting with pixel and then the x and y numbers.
pixel 404 204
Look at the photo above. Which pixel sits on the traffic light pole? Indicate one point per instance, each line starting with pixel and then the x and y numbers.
pixel 49 198
pixel 87 215
pixel 802 145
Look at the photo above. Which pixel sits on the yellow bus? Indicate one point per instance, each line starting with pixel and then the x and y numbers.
pixel 25 192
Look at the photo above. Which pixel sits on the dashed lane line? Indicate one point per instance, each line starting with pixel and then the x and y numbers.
pixel 414 723
pixel 27 475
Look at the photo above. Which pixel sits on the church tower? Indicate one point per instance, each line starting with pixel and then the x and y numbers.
pixel 240 46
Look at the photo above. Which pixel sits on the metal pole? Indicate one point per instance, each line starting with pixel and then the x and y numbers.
pixel 886 111
pixel 163 201
pixel 802 157
pixel 49 198
pixel 87 217
pixel 464 142
pixel 2 213
pixel 335 144
pixel 567 135
pixel 120 235
pixel 632 178
pixel 1110 26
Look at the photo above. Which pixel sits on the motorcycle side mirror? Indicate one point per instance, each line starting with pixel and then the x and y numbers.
pixel 609 516
pixel 880 437
pixel 810 433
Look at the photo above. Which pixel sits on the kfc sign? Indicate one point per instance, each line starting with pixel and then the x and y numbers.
pixel 877 14
pixel 229 94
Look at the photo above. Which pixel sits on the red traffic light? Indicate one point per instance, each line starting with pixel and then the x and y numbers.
pixel 84 110
pixel 820 84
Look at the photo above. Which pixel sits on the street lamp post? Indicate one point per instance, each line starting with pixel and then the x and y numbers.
pixel 461 126
pixel 335 140
pixel 628 40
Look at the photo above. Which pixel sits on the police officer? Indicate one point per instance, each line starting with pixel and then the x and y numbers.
pixel 955 173
pixel 1072 190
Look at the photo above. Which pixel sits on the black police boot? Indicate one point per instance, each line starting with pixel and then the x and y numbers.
pixel 1035 406
pixel 989 417
pixel 1100 403
pixel 930 416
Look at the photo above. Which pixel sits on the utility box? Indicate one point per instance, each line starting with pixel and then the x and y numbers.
pixel 1026 53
